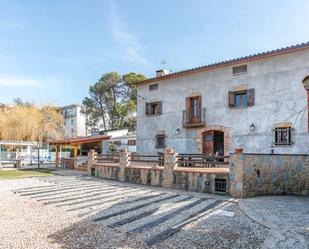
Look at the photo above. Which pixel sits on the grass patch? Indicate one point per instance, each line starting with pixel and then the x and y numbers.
pixel 22 173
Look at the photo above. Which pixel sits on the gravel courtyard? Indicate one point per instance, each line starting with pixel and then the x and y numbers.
pixel 77 211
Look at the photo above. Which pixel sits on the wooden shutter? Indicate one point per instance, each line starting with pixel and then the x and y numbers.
pixel 232 99
pixel 188 110
pixel 250 97
pixel 147 109
pixel 159 109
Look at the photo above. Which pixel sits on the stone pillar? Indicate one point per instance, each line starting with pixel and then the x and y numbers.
pixel 169 165
pixel 123 163
pixel 237 173
pixel 91 158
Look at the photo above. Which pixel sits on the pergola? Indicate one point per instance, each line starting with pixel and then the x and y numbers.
pixel 91 141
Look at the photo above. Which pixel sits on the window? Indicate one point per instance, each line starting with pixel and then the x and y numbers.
pixel 117 142
pixel 240 69
pixel 283 135
pixel 160 141
pixel 132 142
pixel 154 108
pixel 240 99
pixel 72 121
pixel 153 87
pixel 220 185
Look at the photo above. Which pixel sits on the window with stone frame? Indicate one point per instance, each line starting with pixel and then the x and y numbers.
pixel 160 140
pixel 283 135
pixel 241 99
pixel 153 108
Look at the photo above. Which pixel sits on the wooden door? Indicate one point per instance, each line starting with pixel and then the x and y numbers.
pixel 208 143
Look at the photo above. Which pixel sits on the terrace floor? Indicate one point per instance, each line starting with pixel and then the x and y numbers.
pixel 72 210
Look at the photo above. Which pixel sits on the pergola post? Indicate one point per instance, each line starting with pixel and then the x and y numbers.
pixel 57 156
pixel 75 151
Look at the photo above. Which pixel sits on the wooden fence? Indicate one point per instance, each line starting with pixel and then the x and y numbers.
pixel 107 158
pixel 201 161
pixel 147 159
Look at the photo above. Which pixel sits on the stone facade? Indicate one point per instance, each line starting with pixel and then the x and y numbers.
pixel 279 93
pixel 268 174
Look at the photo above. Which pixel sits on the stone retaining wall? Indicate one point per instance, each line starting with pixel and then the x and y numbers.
pixel 169 175
pixel 248 174
pixel 268 174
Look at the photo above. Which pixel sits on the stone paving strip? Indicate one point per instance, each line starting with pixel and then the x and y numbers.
pixel 133 218
pixel 95 207
pixel 101 196
pixel 151 217
pixel 70 193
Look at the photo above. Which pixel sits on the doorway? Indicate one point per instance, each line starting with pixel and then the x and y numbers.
pixel 213 143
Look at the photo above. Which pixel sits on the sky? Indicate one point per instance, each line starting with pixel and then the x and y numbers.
pixel 51 51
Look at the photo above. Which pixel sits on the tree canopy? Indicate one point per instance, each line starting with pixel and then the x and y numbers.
pixel 111 100
pixel 24 121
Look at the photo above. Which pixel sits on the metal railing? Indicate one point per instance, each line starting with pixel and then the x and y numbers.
pixel 188 120
pixel 143 158
pixel 201 160
pixel 107 158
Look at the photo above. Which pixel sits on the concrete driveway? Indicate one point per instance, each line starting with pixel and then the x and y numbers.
pixel 287 217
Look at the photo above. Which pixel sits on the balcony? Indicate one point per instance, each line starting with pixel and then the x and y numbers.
pixel 193 121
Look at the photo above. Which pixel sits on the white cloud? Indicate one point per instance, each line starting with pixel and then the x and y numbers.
pixel 19 82
pixel 128 41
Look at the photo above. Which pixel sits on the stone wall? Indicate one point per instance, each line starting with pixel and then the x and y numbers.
pixel 268 174
pixel 169 176
pixel 248 174
pixel 198 181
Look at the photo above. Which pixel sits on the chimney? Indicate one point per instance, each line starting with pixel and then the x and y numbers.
pixel 162 72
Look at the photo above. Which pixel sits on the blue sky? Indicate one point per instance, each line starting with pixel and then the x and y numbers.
pixel 52 50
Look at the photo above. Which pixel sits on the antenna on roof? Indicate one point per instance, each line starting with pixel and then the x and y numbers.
pixel 163 63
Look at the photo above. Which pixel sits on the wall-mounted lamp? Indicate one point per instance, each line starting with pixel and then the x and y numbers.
pixel 177 131
pixel 252 127
pixel 272 149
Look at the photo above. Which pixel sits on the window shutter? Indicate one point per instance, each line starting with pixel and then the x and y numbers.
pixel 250 97
pixel 159 110
pixel 188 110
pixel 231 99
pixel 147 109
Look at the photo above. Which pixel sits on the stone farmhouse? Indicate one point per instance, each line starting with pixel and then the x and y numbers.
pixel 258 102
